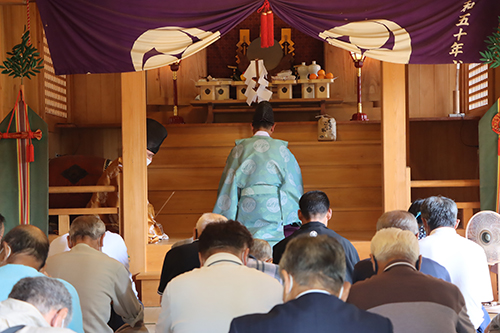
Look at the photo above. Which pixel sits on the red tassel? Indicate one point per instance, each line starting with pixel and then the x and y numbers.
pixel 264 42
pixel 270 28
pixel 30 153
pixel 266 25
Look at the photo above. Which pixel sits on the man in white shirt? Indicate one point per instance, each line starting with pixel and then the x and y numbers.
pixel 206 299
pixel 113 245
pixel 98 278
pixel 465 260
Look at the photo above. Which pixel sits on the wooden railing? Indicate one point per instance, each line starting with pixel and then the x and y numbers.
pixel 467 208
pixel 64 213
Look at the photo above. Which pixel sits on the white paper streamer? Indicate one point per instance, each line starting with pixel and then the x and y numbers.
pixel 262 93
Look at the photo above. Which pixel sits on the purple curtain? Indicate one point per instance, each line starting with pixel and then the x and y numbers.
pixel 109 36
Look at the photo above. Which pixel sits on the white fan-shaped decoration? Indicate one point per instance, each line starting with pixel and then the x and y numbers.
pixel 484 229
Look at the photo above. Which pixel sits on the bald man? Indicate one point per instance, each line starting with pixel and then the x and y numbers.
pixel 24 250
pixel 184 258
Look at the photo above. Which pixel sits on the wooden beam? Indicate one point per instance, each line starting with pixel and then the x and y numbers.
pixel 395 192
pixel 82 189
pixel 63 224
pixel 83 211
pixel 14 2
pixel 445 183
pixel 134 198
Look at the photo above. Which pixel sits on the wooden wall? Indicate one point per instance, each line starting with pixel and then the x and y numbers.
pixel 443 150
pixel 430 90
pixel 339 62
pixel 12 25
pixel 95 99
pixel 192 159
pixel 95 117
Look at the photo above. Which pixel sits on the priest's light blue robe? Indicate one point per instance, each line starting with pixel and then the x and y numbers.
pixel 260 187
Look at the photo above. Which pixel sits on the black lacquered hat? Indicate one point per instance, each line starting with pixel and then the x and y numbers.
pixel 156 134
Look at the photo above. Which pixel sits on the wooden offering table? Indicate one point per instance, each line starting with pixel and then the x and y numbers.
pixel 237 106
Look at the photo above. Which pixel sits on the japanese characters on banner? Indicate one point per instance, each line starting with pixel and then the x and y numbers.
pixel 462 25
pixel 110 36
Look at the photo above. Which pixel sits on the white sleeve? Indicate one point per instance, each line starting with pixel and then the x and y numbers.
pixel 164 324
pixel 114 246
pixel 59 245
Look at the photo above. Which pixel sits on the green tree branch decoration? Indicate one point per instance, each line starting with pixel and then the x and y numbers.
pixel 24 60
pixel 492 54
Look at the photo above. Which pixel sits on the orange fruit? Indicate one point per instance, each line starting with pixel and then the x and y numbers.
pixel 321 77
pixel 312 76
pixel 321 72
pixel 329 76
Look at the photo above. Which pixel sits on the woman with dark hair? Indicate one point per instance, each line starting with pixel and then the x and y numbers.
pixel 415 210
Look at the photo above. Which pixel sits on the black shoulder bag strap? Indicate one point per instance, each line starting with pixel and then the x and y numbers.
pixel 13 329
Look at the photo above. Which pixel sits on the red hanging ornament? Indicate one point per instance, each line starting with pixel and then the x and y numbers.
pixel 266 25
pixel 30 153
pixel 270 28
pixel 263 31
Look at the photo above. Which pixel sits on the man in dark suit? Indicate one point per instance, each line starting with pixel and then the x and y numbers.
pixel 404 221
pixel 184 258
pixel 413 301
pixel 315 212
pixel 313 270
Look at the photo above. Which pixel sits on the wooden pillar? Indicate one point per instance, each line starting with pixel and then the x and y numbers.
pixel 134 199
pixel 395 191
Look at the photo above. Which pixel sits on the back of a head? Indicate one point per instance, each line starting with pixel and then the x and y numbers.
pixel 206 219
pixel 312 260
pixel 263 117
pixel 261 249
pixel 439 211
pixel 398 219
pixel 43 293
pixel 415 209
pixel 314 203
pixel 28 240
pixel 86 226
pixel 230 236
pixel 393 243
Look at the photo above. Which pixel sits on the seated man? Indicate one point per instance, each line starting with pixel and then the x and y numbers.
pixel 23 253
pixel 404 221
pixel 313 271
pixel 261 183
pixel 36 305
pixel 261 250
pixel 315 212
pixel 413 301
pixel 463 259
pixel 98 278
pixel 208 298
pixel 113 245
pixel 184 258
